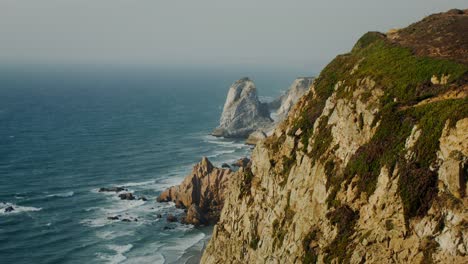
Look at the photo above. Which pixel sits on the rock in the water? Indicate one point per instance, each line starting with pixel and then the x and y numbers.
pixel 225 166
pixel 143 198
pixel 126 220
pixel 9 209
pixel 126 196
pixel 205 187
pixel 242 162
pixel 243 112
pixel 112 189
pixel 112 218
pixel 171 218
pixel 195 216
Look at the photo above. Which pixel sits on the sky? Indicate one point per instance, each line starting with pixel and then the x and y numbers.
pixel 203 32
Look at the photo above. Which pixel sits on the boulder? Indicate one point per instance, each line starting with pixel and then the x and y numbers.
pixel 243 112
pixel 112 218
pixel 255 137
pixel 225 166
pixel 171 218
pixel 9 209
pixel 126 196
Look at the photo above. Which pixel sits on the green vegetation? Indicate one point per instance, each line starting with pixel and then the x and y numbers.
pixel 322 139
pixel 246 182
pixel 254 243
pixel 402 75
pixel 310 254
pixel 344 218
pixel 389 224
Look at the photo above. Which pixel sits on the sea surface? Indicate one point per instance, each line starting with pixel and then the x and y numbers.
pixel 67 131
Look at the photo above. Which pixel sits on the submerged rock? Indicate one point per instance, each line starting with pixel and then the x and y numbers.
pixel 112 189
pixel 9 209
pixel 243 112
pixel 171 218
pixel 126 196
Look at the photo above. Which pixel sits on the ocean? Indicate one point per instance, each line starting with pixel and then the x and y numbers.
pixel 67 131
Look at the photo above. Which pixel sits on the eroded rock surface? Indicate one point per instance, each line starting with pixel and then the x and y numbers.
pixel 243 112
pixel 362 171
pixel 202 192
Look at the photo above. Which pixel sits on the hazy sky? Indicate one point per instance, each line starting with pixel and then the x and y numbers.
pixel 215 32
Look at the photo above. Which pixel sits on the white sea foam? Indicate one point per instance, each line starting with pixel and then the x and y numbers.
pixel 154 259
pixel 221 152
pixel 17 208
pixel 109 235
pixel 132 184
pixel 180 246
pixel 63 195
pixel 119 257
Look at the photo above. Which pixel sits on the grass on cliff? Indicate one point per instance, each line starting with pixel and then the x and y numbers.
pixel 406 78
pixel 344 218
pixel 403 75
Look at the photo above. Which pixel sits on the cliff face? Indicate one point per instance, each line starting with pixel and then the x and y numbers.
pixel 243 113
pixel 370 165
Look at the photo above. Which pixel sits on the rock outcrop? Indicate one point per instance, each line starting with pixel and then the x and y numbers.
pixel 280 107
pixel 285 102
pixel 243 112
pixel 361 171
pixel 202 192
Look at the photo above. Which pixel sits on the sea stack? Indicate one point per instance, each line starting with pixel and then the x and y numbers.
pixel 243 112
pixel 202 192
pixel 285 102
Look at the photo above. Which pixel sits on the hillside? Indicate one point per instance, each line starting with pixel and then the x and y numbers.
pixel 370 165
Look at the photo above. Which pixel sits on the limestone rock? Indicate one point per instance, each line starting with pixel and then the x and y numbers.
pixel 243 112
pixel 204 187
pixel 255 137
pixel 285 102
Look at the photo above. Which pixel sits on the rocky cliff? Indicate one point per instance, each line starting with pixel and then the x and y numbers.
pixel 371 164
pixel 202 193
pixel 243 113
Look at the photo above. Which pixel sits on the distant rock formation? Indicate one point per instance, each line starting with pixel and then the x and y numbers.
pixel 280 108
pixel 285 102
pixel 202 192
pixel 243 112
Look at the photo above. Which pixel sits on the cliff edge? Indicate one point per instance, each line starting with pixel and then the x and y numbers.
pixel 370 165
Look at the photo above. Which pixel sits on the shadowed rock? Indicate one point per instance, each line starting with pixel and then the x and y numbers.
pixel 204 187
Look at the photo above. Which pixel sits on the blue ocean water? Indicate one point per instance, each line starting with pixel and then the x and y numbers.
pixel 65 132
